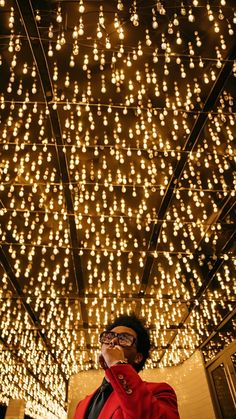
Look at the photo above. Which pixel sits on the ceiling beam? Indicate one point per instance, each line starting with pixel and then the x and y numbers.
pixel 227 204
pixel 110 297
pixel 223 322
pixel 19 360
pixel 188 147
pixel 16 286
pixel 35 43
pixel 200 293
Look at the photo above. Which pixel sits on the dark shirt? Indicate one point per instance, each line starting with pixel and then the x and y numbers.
pixel 98 400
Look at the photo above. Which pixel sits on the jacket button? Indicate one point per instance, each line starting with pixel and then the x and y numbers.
pixel 129 391
pixel 120 376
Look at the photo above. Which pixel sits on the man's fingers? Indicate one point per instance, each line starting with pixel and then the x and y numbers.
pixel 102 362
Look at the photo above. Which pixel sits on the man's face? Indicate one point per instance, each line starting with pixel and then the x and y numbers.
pixel 131 354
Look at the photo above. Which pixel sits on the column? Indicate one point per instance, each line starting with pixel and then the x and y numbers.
pixel 15 409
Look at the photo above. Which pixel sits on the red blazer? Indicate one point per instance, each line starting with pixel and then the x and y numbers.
pixel 133 398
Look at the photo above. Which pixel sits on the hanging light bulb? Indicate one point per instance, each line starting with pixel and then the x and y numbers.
pixel 59 15
pixel 81 7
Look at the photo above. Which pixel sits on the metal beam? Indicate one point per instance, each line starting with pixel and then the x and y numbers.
pixel 29 371
pixel 120 299
pixel 217 265
pixel 227 204
pixel 188 147
pixel 16 286
pixel 223 322
pixel 35 43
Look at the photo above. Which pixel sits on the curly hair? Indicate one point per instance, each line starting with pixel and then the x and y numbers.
pixel 143 338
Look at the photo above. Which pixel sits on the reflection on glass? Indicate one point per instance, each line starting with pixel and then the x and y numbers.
pixel 233 359
pixel 223 392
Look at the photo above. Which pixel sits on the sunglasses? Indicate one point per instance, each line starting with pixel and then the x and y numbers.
pixel 124 339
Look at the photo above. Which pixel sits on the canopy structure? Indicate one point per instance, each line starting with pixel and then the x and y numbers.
pixel 117 184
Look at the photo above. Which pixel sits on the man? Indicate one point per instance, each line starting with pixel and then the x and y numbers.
pixel 123 394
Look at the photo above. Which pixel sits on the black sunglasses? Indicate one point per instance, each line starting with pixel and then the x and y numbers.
pixel 124 339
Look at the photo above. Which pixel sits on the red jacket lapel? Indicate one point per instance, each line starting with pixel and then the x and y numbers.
pixel 82 406
pixel 107 411
pixel 109 407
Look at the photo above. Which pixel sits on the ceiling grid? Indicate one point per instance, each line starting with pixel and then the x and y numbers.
pixel 117 184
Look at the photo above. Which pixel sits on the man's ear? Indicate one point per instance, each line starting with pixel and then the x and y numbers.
pixel 138 358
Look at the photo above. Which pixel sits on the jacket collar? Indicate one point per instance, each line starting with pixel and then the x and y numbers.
pixel 109 407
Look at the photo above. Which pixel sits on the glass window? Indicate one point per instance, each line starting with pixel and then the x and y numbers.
pixel 223 392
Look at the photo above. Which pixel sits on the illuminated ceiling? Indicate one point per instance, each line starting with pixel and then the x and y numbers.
pixel 117 185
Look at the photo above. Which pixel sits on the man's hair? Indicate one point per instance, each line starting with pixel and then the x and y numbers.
pixel 143 338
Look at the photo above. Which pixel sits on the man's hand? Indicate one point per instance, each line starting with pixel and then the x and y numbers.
pixel 111 355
